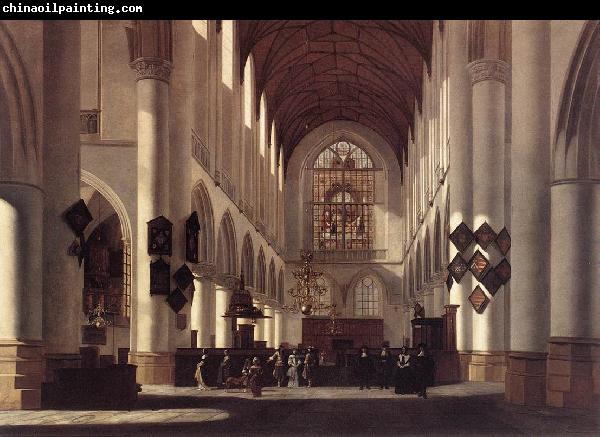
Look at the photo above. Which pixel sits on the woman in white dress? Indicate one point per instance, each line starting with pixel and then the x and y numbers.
pixel 294 377
pixel 198 375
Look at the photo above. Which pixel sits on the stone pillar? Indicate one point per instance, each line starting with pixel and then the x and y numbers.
pixel 439 295
pixel 278 321
pixel 460 178
pixel 180 146
pixel 201 309
pixel 259 328
pixel 488 77
pixel 223 336
pixel 428 301
pixel 63 278
pixel 151 315
pixel 407 327
pixel 270 326
pixel 21 212
pixel 525 381
pixel 573 362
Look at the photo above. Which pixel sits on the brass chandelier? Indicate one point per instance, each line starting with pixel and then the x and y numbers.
pixel 308 292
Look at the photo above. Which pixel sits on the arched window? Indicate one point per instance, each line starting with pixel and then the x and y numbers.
pixel 261 273
pixel 272 280
pixel 280 286
pixel 248 261
pixel 367 296
pixel 343 198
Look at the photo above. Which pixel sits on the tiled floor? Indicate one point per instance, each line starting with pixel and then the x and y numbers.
pixel 460 409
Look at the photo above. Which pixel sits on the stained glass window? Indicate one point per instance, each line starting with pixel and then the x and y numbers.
pixel 343 198
pixel 366 298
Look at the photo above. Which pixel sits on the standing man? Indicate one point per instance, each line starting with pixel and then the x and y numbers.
pixel 279 369
pixel 385 366
pixel 423 371
pixel 309 366
pixel 224 369
pixel 364 368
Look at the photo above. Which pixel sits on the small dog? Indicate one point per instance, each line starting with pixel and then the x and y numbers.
pixel 233 382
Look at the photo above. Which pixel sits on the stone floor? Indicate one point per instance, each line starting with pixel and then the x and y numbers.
pixel 460 409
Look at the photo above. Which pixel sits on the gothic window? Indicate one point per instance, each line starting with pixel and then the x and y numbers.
pixel 366 297
pixel 343 198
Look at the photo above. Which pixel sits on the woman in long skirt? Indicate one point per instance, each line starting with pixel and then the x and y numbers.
pixel 255 380
pixel 404 376
pixel 198 375
pixel 294 376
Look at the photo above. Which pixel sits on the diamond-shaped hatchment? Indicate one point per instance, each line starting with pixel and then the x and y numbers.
pixel 457 267
pixel 419 311
pixel 503 241
pixel 461 237
pixel 479 300
pixel 449 281
pixel 479 265
pixel 491 281
pixel 503 271
pixel 176 300
pixel 485 235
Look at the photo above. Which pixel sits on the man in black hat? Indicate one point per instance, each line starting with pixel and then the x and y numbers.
pixel 423 370
pixel 364 368
pixel 386 364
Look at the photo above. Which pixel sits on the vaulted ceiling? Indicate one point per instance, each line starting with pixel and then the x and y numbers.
pixel 316 71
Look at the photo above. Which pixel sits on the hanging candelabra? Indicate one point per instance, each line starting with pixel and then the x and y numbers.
pixel 97 317
pixel 332 327
pixel 308 292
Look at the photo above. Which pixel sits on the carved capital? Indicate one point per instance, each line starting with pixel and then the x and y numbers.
pixel 231 282
pixel 203 270
pixel 489 69
pixel 152 68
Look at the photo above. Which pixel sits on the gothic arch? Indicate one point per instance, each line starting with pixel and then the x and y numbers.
pixel 280 286
pixel 261 272
pixel 108 193
pixel 437 243
pixel 20 146
pixel 202 205
pixel 272 280
pixel 248 260
pixel 426 257
pixel 576 150
pixel 226 246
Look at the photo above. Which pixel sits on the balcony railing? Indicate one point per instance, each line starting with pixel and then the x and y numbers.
pixel 349 255
pixel 89 121
pixel 224 181
pixel 200 151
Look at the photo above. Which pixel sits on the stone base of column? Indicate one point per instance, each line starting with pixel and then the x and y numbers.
pixel 59 361
pixel 20 375
pixel 573 372
pixel 525 381
pixel 482 366
pixel 154 367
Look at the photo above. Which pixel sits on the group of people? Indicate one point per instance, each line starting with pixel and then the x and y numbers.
pixel 410 373
pixel 252 371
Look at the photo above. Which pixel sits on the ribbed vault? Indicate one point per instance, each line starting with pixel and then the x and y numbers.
pixel 316 71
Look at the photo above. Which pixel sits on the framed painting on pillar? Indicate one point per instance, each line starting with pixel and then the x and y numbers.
pixel 192 226
pixel 160 236
pixel 160 277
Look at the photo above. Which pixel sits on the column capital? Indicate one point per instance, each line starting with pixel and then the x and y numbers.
pixel 151 68
pixel 489 69
pixel 204 270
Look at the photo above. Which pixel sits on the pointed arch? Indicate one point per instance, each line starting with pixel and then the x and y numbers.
pixel 437 243
pixel 261 272
pixel 280 286
pixel 426 257
pixel 369 294
pixel 226 246
pixel 248 260
pixel 576 151
pixel 202 205
pixel 272 280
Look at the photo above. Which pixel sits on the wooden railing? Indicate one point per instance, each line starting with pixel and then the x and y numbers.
pixel 200 151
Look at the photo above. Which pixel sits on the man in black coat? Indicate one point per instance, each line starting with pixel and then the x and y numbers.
pixel 364 368
pixel 386 366
pixel 423 371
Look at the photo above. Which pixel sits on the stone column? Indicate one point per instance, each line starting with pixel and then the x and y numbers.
pixel 222 324
pixel 460 170
pixel 428 300
pixel 201 309
pixel 270 326
pixel 488 77
pixel 63 278
pixel 439 294
pixel 259 329
pixel 151 315
pixel 278 321
pixel 525 381
pixel 180 146
pixel 573 362
pixel 407 316
pixel 21 213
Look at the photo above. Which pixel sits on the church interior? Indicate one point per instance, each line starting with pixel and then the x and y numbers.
pixel 176 191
